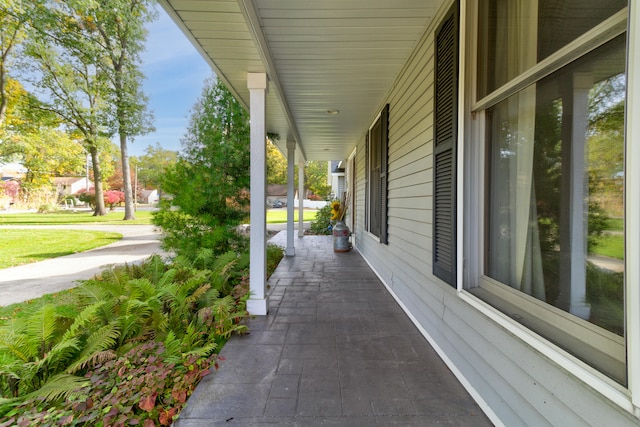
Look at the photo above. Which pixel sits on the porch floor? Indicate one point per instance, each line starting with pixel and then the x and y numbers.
pixel 334 349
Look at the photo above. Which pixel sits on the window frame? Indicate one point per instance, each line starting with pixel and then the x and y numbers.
pixel 496 299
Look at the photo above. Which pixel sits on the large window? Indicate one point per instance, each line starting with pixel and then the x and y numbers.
pixel 551 89
pixel 376 201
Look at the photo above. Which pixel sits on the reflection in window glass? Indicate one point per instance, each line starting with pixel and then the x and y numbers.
pixel 555 197
pixel 516 34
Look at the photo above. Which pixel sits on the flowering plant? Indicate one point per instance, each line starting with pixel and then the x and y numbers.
pixel 339 208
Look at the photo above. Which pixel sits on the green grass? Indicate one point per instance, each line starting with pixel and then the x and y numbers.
pixel 23 246
pixel 142 217
pixel 615 224
pixel 275 216
pixel 610 245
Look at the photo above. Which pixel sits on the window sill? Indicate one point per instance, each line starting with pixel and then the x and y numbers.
pixel 595 346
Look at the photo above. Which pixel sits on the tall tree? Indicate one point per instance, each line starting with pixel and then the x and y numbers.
pixel 66 71
pixel 212 173
pixel 210 180
pixel 119 32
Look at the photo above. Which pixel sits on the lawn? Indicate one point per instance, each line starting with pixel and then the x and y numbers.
pixel 23 246
pixel 610 245
pixel 142 217
pixel 275 216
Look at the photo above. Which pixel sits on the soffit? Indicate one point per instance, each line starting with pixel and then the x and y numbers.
pixel 319 55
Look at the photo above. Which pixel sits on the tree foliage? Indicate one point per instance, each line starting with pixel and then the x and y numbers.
pixel 153 165
pixel 66 72
pixel 315 177
pixel 12 23
pixel 315 172
pixel 276 165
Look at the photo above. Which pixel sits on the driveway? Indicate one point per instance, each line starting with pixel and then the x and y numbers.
pixel 34 280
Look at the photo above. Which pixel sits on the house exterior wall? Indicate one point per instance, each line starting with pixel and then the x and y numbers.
pixel 515 382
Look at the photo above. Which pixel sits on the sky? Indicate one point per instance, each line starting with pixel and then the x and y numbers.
pixel 175 73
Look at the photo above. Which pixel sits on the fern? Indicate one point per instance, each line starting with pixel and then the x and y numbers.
pixel 61 386
pixel 40 328
pixel 99 344
pixel 173 346
pixel 85 318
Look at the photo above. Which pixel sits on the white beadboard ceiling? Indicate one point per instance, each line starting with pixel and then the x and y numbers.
pixel 319 55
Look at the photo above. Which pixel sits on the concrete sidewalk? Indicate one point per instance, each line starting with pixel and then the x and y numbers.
pixel 30 281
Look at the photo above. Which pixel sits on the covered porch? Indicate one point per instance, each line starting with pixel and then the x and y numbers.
pixel 336 348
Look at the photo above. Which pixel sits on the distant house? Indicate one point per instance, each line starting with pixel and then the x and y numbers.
pixel 149 196
pixel 10 171
pixel 336 178
pixel 276 193
pixel 66 186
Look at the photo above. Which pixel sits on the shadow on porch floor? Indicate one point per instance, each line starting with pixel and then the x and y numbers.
pixel 335 349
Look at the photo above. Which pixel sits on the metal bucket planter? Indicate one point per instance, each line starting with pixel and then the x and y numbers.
pixel 341 235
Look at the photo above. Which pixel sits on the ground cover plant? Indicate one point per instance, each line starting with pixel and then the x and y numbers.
pixel 126 347
pixel 23 246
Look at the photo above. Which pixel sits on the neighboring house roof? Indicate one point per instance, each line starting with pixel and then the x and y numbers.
pixel 68 180
pixel 276 190
pixel 337 166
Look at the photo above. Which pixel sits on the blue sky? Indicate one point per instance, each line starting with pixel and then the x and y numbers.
pixel 175 73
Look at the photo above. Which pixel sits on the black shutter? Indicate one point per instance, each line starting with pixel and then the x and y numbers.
pixel 367 179
pixel 384 156
pixel 445 136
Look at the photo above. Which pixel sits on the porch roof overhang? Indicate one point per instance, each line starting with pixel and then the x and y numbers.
pixel 320 57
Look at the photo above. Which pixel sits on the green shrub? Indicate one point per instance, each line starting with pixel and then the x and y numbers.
pixel 186 234
pixel 48 208
pixel 605 294
pixel 322 224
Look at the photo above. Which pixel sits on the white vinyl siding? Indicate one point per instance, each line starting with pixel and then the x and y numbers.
pixel 513 381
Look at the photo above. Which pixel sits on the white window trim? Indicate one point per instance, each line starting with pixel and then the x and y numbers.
pixel 632 200
pixel 471 178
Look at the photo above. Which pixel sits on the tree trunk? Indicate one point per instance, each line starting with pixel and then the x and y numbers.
pixel 97 182
pixel 129 212
pixel 3 93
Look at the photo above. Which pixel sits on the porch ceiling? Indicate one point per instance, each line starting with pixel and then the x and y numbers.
pixel 319 56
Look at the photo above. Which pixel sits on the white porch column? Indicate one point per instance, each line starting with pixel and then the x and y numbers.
pixel 257 303
pixel 291 151
pixel 301 199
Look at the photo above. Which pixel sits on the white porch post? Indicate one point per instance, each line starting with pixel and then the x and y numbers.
pixel 301 199
pixel 257 303
pixel 291 150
